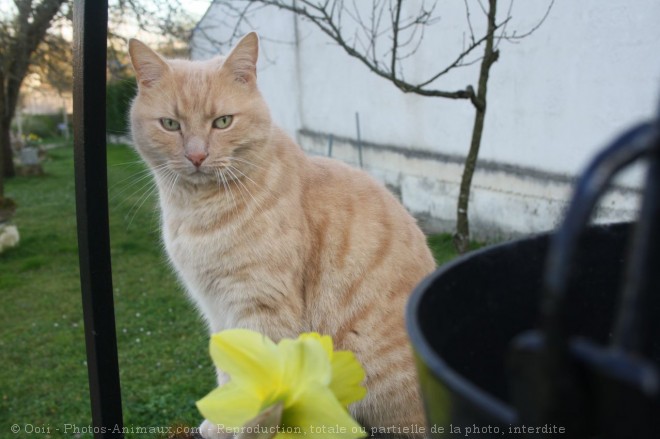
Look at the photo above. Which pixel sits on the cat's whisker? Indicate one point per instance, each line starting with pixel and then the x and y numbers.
pixel 143 198
pixel 244 175
pixel 138 190
pixel 145 187
pixel 217 178
pixel 142 171
pixel 164 175
pixel 140 177
pixel 241 187
pixel 220 180
pixel 257 205
pixel 161 166
pixel 176 178
pixel 137 173
pixel 247 162
pixel 132 180
pixel 237 179
pixel 165 182
pixel 227 185
pixel 146 194
pixel 137 162
pixel 231 195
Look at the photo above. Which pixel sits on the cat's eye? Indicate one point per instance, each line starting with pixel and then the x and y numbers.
pixel 170 124
pixel 222 122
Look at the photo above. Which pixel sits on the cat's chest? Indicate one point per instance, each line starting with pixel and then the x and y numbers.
pixel 194 246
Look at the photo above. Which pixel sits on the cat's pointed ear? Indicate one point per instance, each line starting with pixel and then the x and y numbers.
pixel 242 61
pixel 149 66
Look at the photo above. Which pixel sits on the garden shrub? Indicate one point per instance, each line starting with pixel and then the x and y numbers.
pixel 119 94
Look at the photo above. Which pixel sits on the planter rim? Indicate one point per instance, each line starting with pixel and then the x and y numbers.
pixel 486 403
pixel 483 401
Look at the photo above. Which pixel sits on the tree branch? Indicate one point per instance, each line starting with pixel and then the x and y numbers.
pixel 321 18
pixel 395 37
pixel 462 56
pixel 532 30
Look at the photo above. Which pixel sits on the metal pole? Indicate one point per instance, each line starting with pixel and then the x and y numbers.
pixel 330 140
pixel 90 22
pixel 359 139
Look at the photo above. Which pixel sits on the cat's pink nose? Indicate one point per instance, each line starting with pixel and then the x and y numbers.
pixel 197 158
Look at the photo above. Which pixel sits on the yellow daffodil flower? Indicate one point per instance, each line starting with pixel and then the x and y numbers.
pixel 311 382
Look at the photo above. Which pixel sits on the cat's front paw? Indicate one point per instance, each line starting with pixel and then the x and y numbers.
pixel 209 430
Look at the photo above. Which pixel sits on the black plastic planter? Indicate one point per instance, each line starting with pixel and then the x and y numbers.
pixel 557 334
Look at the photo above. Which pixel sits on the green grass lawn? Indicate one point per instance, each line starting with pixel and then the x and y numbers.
pixel 162 342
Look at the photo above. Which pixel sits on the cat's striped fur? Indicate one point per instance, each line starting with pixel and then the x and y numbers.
pixel 267 238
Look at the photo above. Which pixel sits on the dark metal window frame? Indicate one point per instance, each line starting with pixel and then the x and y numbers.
pixel 90 32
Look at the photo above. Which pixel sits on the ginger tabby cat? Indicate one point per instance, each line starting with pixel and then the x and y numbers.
pixel 266 238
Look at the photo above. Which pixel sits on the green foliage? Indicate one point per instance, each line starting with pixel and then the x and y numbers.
pixel 42 125
pixel 118 100
pixel 7 203
pixel 443 248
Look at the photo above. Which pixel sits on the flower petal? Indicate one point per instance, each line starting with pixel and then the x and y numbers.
pixel 229 405
pixel 307 363
pixel 325 340
pixel 251 359
pixel 264 425
pixel 347 377
pixel 318 413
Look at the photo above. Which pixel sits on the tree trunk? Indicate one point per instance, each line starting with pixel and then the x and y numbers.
pixel 6 156
pixel 30 26
pixel 2 135
pixel 5 140
pixel 462 235
pixel 2 160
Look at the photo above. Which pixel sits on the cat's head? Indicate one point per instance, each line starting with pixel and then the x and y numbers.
pixel 193 119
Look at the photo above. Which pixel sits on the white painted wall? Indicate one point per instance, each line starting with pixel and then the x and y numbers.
pixel 591 70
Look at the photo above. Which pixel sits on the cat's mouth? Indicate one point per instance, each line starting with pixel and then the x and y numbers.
pixel 207 174
pixel 221 172
pixel 189 174
pixel 200 174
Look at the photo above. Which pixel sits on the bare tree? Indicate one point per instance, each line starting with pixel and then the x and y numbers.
pixel 20 36
pixel 360 31
pixel 27 44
